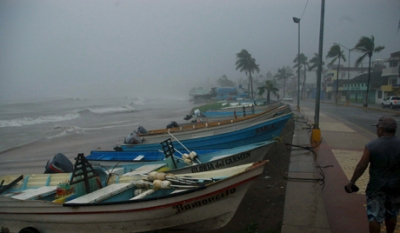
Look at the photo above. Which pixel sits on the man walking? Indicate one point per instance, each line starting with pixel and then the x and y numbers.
pixel 383 190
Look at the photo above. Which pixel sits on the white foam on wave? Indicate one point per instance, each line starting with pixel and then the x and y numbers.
pixel 60 131
pixel 38 120
pixel 107 110
pixel 137 101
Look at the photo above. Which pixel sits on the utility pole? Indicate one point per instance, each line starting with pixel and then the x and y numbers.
pixel 316 132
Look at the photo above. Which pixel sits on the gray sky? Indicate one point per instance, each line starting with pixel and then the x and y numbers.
pixel 98 48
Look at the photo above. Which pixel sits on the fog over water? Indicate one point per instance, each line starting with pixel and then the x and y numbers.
pixel 115 48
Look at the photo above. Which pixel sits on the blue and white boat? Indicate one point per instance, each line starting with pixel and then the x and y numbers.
pixel 188 162
pixel 218 138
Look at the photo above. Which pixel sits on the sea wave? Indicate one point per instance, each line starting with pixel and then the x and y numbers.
pixel 60 131
pixel 108 110
pixel 137 101
pixel 37 120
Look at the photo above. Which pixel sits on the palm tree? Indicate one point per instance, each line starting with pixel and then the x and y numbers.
pixel 269 87
pixel 366 46
pixel 313 63
pixel 283 74
pixel 335 53
pixel 247 64
pixel 304 63
pixel 225 82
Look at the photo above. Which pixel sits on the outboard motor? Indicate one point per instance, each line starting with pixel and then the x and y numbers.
pixel 141 130
pixel 59 164
pixel 187 117
pixel 133 138
pixel 197 113
pixel 173 124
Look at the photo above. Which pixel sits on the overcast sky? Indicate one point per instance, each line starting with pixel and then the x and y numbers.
pixel 101 48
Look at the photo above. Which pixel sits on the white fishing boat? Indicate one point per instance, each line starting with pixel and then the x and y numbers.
pixel 46 203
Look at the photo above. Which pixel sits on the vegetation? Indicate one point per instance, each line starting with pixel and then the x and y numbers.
pixel 268 83
pixel 247 64
pixel 336 53
pixel 283 74
pixel 313 63
pixel 366 46
pixel 269 87
pixel 225 82
pixel 304 63
pixel 211 106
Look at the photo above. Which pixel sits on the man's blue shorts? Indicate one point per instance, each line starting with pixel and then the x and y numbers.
pixel 381 206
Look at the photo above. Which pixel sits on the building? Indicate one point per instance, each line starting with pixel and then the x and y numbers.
pixel 352 84
pixel 392 73
pixel 345 74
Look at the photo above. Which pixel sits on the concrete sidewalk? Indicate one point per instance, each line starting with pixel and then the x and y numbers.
pixel 315 198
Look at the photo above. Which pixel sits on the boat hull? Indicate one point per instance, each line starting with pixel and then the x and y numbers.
pixel 210 161
pixel 213 204
pixel 237 136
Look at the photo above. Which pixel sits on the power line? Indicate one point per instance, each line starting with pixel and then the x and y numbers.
pixel 305 11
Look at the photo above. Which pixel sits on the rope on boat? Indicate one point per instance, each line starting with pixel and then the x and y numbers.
pixel 179 142
pixel 188 158
pixel 176 157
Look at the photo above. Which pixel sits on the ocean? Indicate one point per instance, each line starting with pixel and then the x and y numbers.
pixel 81 124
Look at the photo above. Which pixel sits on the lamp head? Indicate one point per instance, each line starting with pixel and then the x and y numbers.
pixel 296 20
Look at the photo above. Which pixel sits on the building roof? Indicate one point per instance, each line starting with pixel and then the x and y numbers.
pixel 376 79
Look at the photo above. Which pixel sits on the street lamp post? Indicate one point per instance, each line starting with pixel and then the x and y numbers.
pixel 297 20
pixel 348 72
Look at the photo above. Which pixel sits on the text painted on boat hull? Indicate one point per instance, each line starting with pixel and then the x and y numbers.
pixel 209 200
pixel 217 164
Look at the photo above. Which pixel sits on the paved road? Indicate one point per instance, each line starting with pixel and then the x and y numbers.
pixel 355 114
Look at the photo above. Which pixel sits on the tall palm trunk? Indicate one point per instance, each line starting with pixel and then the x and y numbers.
pixel 337 82
pixel 369 79
pixel 284 88
pixel 304 82
pixel 251 85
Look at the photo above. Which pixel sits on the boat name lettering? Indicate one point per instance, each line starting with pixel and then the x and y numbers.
pixel 237 158
pixel 265 128
pixel 191 205
pixel 203 168
pixel 220 163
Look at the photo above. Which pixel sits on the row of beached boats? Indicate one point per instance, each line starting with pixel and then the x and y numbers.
pixel 155 184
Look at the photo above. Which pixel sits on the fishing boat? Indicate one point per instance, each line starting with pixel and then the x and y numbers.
pixel 182 162
pixel 241 109
pixel 204 124
pixel 81 201
pixel 218 138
